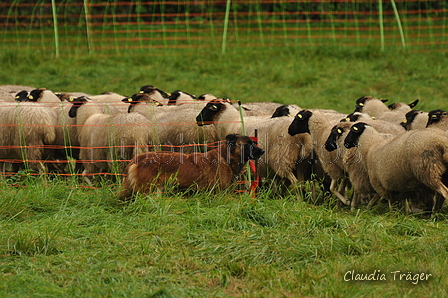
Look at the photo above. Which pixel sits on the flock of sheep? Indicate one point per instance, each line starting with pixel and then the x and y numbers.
pixel 379 151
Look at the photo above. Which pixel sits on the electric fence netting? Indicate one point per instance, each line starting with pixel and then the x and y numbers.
pixel 116 27
pixel 76 28
pixel 46 137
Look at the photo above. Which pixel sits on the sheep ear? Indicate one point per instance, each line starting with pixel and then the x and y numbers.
pixel 384 100
pixel 304 115
pixel 414 103
pixel 213 108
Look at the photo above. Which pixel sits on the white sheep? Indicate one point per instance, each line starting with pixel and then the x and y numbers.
pixel 404 164
pixel 66 141
pixel 415 119
pixel 156 94
pixel 318 126
pixel 287 157
pixel 8 92
pixel 26 131
pixel 379 110
pixel 438 119
pixel 106 138
pixel 174 126
pixel 350 158
pixel 112 102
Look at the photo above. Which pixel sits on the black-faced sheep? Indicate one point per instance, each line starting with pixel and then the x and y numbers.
pixel 66 135
pixel 106 138
pixel 21 96
pixel 111 102
pixel 404 164
pixel 174 127
pixel 438 119
pixel 319 127
pixel 350 161
pixel 287 157
pixel 26 131
pixel 156 94
pixel 380 111
pixel 8 92
pixel 415 119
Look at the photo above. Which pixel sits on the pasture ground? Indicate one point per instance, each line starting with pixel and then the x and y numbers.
pixel 61 238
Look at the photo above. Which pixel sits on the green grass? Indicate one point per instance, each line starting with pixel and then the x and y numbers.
pixel 321 77
pixel 60 238
pixel 64 240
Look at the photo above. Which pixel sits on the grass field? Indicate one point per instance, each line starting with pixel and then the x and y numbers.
pixel 61 238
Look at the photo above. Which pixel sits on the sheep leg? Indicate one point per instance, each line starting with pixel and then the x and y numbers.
pixel 342 186
pixel 443 190
pixel 84 175
pixel 438 202
pixel 373 201
pixel 355 201
pixel 294 181
pixel 337 194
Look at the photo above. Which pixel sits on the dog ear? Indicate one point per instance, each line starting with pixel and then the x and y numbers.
pixel 231 139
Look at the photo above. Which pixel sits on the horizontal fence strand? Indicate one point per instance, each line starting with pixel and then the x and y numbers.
pixel 112 28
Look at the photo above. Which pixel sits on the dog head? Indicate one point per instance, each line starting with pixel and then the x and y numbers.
pixel 243 147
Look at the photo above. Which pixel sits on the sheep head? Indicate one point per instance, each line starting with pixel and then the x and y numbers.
pixel 63 96
pixel 22 96
pixel 176 95
pixel 77 102
pixel 35 94
pixel 335 134
pixel 210 113
pixel 409 118
pixel 139 98
pixel 281 111
pixel 353 117
pixel 394 106
pixel 206 97
pixel 360 102
pixel 300 123
pixel 435 116
pixel 351 140
pixel 151 90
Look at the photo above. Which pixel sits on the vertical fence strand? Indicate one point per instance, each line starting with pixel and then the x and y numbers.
pixel 55 26
pixel 380 17
pixel 87 18
pixel 111 26
pixel 400 28
pixel 226 24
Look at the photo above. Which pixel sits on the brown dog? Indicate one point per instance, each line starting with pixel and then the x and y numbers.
pixel 217 168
